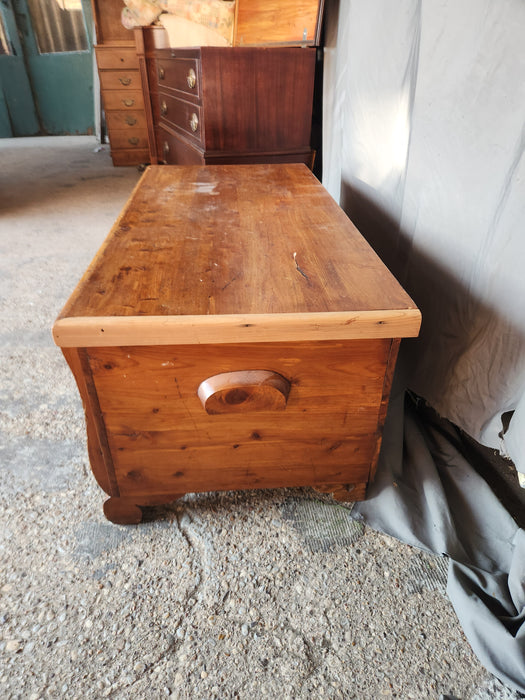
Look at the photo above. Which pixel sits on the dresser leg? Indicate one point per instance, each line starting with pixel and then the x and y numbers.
pixel 122 512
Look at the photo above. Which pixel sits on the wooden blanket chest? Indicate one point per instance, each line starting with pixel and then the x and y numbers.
pixel 234 331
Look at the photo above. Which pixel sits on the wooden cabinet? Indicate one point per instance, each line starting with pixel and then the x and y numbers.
pixel 219 343
pixel 121 86
pixel 248 103
pixel 226 104
pixel 123 101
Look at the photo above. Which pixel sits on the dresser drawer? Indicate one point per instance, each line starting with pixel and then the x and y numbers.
pixel 180 74
pixel 120 80
pixel 131 138
pixel 123 99
pixel 182 115
pixel 173 149
pixel 114 57
pixel 130 156
pixel 126 120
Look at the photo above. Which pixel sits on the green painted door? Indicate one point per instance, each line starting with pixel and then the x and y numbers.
pixel 50 42
pixel 17 108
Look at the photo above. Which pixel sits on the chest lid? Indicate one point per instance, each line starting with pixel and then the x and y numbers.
pixel 233 253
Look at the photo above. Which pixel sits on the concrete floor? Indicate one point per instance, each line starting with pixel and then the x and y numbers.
pixel 235 595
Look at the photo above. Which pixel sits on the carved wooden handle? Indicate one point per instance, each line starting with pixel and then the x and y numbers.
pixel 248 390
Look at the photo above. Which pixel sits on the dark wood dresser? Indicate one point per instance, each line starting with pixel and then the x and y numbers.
pixel 247 103
pixel 226 105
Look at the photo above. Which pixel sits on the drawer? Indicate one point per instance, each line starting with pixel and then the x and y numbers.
pixel 181 115
pixel 129 156
pixel 132 138
pixel 113 57
pixel 181 74
pixel 120 80
pixel 126 120
pixel 123 99
pixel 173 149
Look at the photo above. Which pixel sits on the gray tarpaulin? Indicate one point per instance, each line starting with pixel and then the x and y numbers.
pixel 423 146
pixel 428 494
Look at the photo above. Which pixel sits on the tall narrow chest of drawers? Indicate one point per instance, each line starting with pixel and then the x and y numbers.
pixel 123 103
pixel 120 85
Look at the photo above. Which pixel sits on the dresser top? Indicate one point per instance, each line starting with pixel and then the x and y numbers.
pixel 233 253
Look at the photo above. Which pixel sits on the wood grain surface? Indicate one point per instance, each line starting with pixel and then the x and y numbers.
pixel 234 331
pixel 162 440
pixel 257 100
pixel 275 22
pixel 233 244
pixel 244 391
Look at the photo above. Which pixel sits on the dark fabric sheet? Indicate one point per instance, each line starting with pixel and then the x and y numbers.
pixel 429 495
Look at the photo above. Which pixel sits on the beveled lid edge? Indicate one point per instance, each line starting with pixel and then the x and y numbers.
pixel 115 331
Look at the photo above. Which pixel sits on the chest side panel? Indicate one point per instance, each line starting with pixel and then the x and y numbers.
pixel 163 441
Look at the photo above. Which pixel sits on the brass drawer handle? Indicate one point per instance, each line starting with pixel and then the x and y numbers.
pixel 165 151
pixel 125 81
pixel 194 122
pixel 162 73
pixel 191 78
pixel 133 140
pixel 129 102
pixel 163 107
pixel 131 121
pixel 248 390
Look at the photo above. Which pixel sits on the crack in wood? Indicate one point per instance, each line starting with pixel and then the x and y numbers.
pixel 298 268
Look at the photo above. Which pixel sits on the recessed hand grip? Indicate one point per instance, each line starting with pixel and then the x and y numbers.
pixel 244 391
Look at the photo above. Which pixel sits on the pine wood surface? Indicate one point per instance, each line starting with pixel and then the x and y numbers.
pixel 162 440
pixel 234 331
pixel 244 390
pixel 245 249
